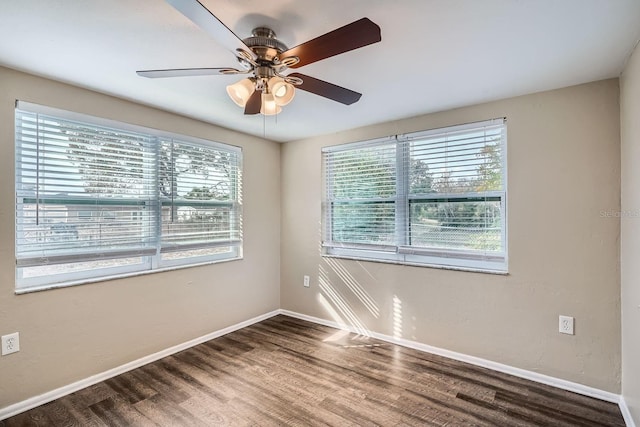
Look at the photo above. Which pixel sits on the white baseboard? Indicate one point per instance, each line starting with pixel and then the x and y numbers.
pixel 32 402
pixel 517 372
pixel 626 414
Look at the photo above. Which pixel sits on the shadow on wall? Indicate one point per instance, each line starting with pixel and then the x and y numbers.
pixel 340 291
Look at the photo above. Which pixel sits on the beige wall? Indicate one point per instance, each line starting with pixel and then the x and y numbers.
pixel 72 333
pixel 630 228
pixel 564 170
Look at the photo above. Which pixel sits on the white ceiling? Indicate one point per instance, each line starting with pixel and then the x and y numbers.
pixel 434 55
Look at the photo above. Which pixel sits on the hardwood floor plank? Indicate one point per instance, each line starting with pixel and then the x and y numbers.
pixel 288 372
pixel 35 417
pixel 83 416
pixel 158 380
pixel 129 387
pixel 118 412
pixel 167 413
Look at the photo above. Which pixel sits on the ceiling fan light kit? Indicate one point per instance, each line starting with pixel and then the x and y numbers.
pixel 277 90
pixel 265 58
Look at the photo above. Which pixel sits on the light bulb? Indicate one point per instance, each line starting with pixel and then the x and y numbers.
pixel 283 92
pixel 240 92
pixel 280 91
pixel 269 106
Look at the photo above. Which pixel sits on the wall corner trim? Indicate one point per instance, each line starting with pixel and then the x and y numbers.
pixel 517 372
pixel 49 396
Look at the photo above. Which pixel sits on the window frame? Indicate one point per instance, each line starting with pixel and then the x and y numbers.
pixel 402 252
pixel 150 260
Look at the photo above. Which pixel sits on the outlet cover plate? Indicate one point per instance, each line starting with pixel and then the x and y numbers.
pixel 565 325
pixel 10 343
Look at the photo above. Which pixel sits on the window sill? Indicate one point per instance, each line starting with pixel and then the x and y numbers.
pixel 419 264
pixel 71 283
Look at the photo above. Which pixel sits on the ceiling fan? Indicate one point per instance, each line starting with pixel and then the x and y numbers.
pixel 265 58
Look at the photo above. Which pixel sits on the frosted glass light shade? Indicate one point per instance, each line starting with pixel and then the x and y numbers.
pixel 269 106
pixel 282 91
pixel 241 91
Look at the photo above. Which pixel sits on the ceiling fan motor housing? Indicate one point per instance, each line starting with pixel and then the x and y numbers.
pixel 264 44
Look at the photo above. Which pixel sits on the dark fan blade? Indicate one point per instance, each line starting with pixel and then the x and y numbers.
pixel 254 103
pixel 326 89
pixel 352 36
pixel 186 72
pixel 200 15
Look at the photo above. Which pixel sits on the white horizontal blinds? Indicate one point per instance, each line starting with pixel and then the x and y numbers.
pixel 96 198
pixel 456 189
pixel 200 196
pixel 361 196
pixel 83 192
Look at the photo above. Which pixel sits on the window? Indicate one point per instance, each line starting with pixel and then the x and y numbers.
pixel 435 198
pixel 97 198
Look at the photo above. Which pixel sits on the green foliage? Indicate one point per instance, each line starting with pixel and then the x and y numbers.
pixel 106 165
pixel 177 159
pixel 420 179
pixel 490 170
pixel 112 163
pixel 365 174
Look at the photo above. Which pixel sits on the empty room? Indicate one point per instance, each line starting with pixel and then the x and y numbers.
pixel 420 213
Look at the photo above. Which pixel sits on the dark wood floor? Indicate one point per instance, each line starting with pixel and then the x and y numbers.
pixel 285 371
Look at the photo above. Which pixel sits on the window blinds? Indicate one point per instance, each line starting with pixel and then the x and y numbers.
pixel 361 185
pixel 91 197
pixel 426 197
pixel 199 196
pixel 83 192
pixel 456 189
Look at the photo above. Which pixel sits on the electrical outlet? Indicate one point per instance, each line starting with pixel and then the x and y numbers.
pixel 306 281
pixel 10 343
pixel 565 325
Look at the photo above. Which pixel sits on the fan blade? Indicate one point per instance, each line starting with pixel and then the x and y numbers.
pixel 254 103
pixel 326 89
pixel 186 72
pixel 203 18
pixel 352 36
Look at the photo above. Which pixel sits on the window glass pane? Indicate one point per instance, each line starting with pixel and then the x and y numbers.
pixel 364 173
pixel 62 228
pixel 457 162
pixel 366 223
pixel 193 224
pixel 199 196
pixel 78 186
pixel 456 225
pixel 362 185
pixel 455 190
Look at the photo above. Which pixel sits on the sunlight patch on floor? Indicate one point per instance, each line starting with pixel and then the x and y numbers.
pixel 337 336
